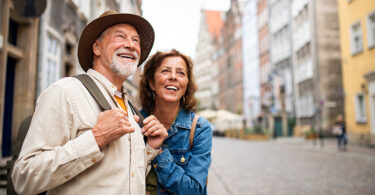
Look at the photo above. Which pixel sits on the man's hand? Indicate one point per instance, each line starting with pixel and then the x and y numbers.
pixel 111 125
pixel 155 131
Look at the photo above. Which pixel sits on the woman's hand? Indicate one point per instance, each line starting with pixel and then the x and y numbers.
pixel 155 131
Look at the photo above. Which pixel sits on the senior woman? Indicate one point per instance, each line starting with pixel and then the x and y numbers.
pixel 167 90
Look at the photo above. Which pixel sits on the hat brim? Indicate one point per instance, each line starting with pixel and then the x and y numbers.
pixel 97 26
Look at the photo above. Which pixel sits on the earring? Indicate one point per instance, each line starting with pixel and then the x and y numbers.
pixel 183 99
pixel 153 94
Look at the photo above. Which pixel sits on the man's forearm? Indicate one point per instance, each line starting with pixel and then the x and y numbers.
pixel 38 170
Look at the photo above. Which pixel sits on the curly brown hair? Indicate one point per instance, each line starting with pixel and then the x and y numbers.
pixel 146 94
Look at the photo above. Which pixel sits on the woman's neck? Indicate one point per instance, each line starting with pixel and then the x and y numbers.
pixel 166 113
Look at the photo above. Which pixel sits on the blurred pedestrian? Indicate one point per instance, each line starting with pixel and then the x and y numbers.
pixel 340 131
pixel 167 92
pixel 74 148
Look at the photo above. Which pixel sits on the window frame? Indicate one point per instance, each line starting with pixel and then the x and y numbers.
pixel 370 26
pixel 358 116
pixel 48 56
pixel 54 57
pixel 353 49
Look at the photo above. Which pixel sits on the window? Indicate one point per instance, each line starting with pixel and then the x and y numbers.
pixel 305 106
pixel 371 29
pixel 1 41
pixel 356 38
pixel 360 108
pixel 53 59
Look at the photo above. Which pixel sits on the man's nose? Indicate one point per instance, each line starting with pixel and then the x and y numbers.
pixel 128 43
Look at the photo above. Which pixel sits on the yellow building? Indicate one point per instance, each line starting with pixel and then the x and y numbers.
pixel 357 34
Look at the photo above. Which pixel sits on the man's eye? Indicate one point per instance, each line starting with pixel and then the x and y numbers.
pixel 136 40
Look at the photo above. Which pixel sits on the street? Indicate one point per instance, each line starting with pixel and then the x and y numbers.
pixel 289 166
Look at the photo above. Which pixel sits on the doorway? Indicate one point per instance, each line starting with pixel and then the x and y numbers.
pixel 278 131
pixel 8 106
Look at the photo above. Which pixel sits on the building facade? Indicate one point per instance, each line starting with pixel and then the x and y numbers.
pixel 266 96
pixel 60 28
pixel 18 70
pixel 317 63
pixel 282 110
pixel 204 67
pixel 230 68
pixel 250 64
pixel 357 35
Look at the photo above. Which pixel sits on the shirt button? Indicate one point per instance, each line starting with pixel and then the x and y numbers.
pixel 93 160
pixel 132 174
pixel 155 165
pixel 66 176
pixel 148 153
pixel 182 159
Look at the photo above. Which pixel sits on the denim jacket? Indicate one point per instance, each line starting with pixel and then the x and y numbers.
pixel 180 170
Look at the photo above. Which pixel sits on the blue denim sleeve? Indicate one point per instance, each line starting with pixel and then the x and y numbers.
pixel 193 180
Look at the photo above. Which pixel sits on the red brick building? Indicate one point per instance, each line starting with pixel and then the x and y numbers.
pixel 230 61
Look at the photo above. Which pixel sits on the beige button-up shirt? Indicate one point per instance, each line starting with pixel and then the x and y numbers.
pixel 60 153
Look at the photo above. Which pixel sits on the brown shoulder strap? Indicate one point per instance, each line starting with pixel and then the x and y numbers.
pixel 192 130
pixel 94 91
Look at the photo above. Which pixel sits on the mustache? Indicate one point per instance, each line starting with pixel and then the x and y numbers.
pixel 124 50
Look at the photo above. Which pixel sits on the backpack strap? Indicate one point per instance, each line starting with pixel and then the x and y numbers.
pixel 22 131
pixel 100 99
pixel 94 91
pixel 192 131
pixel 137 112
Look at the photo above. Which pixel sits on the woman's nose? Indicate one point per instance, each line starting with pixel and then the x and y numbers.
pixel 173 75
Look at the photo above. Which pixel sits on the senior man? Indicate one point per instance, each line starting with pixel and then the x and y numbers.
pixel 74 148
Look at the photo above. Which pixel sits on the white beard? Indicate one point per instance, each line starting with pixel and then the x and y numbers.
pixel 124 70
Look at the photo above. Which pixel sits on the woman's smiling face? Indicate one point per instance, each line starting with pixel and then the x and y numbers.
pixel 170 80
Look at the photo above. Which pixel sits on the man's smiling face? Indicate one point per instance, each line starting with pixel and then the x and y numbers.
pixel 118 49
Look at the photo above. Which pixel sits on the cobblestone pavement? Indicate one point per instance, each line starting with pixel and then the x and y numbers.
pixel 289 166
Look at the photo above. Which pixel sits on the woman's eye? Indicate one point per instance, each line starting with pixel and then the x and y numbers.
pixel 181 73
pixel 136 40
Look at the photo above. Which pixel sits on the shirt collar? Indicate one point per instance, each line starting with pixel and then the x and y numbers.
pixel 108 85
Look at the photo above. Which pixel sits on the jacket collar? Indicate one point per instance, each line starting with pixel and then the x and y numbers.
pixel 182 122
pixel 183 119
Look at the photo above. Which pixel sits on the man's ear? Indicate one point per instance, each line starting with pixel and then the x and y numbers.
pixel 95 48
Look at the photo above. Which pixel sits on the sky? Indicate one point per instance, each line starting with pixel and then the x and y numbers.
pixel 176 22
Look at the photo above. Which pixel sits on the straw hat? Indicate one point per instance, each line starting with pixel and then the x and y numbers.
pixel 109 18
